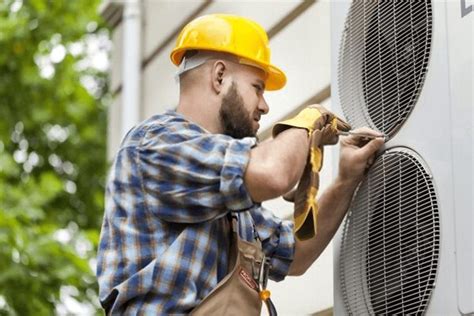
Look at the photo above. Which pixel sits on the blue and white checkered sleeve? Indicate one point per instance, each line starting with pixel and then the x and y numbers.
pixel 194 177
pixel 277 241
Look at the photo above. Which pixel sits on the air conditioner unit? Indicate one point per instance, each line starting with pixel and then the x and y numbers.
pixel 405 68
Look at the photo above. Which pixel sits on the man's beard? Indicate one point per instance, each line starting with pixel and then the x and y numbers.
pixel 235 119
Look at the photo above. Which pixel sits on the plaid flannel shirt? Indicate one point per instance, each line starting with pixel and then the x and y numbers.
pixel 165 236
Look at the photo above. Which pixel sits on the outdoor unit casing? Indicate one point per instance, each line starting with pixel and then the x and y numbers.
pixel 405 68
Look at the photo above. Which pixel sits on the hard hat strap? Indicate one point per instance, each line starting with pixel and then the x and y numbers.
pixel 203 56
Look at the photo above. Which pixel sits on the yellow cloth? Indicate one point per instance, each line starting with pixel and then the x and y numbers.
pixel 322 127
pixel 304 119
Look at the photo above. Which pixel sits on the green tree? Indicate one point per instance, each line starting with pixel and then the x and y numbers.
pixel 52 154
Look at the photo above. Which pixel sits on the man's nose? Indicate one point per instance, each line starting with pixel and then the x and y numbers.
pixel 263 106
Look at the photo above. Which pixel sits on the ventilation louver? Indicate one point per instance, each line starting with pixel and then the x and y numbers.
pixel 390 242
pixel 383 61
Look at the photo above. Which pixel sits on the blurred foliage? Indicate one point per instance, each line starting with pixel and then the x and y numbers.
pixel 52 155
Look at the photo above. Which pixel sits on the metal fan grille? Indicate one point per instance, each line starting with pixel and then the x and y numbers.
pixel 383 61
pixel 390 243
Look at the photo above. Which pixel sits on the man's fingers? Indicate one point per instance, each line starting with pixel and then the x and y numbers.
pixel 366 130
pixel 358 152
pixel 369 149
pixel 371 160
pixel 358 140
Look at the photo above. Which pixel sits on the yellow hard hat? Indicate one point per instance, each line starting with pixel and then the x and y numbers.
pixel 231 34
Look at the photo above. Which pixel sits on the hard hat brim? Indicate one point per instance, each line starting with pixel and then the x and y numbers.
pixel 276 78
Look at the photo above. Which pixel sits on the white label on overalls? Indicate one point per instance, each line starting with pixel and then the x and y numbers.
pixel 247 279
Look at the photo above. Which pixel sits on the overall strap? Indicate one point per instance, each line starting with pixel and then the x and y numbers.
pixel 263 269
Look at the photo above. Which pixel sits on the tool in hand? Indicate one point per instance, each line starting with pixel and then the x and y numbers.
pixel 362 135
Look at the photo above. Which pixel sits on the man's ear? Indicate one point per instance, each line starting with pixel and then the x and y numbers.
pixel 218 75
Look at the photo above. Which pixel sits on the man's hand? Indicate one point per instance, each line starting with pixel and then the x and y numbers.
pixel 357 154
pixel 322 127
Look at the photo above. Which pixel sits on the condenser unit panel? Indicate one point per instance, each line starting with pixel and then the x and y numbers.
pixel 388 259
pixel 460 48
pixel 383 61
pixel 391 238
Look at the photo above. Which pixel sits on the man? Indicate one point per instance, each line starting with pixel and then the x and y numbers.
pixel 165 242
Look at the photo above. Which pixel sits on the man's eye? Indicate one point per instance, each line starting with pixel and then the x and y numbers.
pixel 258 88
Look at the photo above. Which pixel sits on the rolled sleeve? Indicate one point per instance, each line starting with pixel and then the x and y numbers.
pixel 232 186
pixel 277 239
pixel 283 253
pixel 190 176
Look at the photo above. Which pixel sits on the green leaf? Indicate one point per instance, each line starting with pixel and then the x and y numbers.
pixel 35 261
